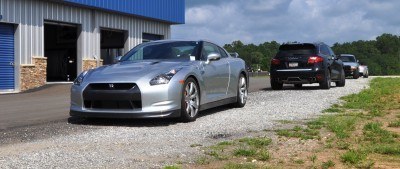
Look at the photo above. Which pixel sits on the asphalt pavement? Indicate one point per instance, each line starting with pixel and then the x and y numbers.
pixel 51 103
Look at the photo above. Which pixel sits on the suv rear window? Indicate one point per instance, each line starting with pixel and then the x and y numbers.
pixel 293 50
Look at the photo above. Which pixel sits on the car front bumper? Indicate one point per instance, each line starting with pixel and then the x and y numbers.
pixel 142 101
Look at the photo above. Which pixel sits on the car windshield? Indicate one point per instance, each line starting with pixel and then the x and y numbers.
pixel 163 50
pixel 347 59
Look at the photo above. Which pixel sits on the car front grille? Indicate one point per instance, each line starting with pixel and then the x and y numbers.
pixel 121 96
pixel 112 86
pixel 110 104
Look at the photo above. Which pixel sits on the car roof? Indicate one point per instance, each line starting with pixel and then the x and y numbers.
pixel 178 40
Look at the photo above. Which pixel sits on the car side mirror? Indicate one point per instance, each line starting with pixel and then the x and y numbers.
pixel 358 61
pixel 213 57
pixel 117 59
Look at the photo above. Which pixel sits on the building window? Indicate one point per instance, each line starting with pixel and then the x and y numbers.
pixel 147 37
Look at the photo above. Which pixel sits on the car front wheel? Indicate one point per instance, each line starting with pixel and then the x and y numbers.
pixel 242 92
pixel 190 102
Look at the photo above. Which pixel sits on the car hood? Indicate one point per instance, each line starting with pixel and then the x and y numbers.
pixel 350 64
pixel 127 71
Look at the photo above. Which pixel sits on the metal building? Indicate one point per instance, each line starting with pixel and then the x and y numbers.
pixel 44 41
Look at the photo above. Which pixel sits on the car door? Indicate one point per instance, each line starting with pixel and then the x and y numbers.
pixel 336 67
pixel 216 74
pixel 331 60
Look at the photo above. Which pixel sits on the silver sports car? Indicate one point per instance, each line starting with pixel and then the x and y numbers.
pixel 162 79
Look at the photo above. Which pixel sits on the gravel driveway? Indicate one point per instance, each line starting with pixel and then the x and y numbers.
pixel 155 143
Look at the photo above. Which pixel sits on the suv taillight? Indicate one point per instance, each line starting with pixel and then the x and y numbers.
pixel 275 62
pixel 315 59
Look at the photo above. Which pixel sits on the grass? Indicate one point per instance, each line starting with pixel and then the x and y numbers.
pixel 313 158
pixel 374 133
pixel 328 164
pixel 232 165
pixel 353 131
pixel 299 161
pixel 244 152
pixel 342 126
pixel 256 142
pixel 172 167
pixel 299 132
pixel 394 124
pixel 353 157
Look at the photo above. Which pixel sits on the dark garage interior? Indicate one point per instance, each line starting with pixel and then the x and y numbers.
pixel 112 45
pixel 60 43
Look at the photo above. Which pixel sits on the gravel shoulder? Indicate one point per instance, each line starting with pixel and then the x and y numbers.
pixel 156 143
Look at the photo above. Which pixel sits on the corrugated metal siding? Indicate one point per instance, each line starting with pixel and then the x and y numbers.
pixel 6 57
pixel 172 11
pixel 31 14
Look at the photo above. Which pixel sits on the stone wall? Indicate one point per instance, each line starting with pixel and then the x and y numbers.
pixel 33 76
pixel 90 64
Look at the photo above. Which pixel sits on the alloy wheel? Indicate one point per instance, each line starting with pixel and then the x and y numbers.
pixel 191 99
pixel 243 90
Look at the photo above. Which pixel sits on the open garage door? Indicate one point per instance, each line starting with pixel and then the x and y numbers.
pixel 6 57
pixel 60 41
pixel 112 44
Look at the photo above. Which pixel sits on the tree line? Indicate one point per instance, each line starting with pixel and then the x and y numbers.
pixel 382 55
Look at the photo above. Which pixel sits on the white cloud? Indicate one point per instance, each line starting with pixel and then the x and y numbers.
pixel 257 21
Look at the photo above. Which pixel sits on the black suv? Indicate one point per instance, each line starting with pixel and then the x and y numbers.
pixel 306 63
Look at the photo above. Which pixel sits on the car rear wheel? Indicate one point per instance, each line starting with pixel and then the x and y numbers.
pixel 242 92
pixel 366 75
pixel 342 80
pixel 326 83
pixel 275 85
pixel 190 103
pixel 298 85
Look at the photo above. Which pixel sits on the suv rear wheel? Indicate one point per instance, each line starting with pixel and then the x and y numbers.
pixel 326 83
pixel 298 85
pixel 342 80
pixel 276 85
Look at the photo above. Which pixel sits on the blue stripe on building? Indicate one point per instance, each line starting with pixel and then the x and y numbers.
pixel 172 11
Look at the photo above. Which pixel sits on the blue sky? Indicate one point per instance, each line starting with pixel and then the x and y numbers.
pixel 257 21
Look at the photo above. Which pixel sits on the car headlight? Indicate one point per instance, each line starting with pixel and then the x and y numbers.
pixel 165 77
pixel 80 78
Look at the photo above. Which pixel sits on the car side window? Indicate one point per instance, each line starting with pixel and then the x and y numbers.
pixel 324 50
pixel 223 53
pixel 331 51
pixel 207 49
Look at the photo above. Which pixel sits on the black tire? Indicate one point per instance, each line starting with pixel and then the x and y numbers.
pixel 342 81
pixel 276 85
pixel 189 109
pixel 298 85
pixel 242 91
pixel 356 76
pixel 326 83
pixel 366 75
